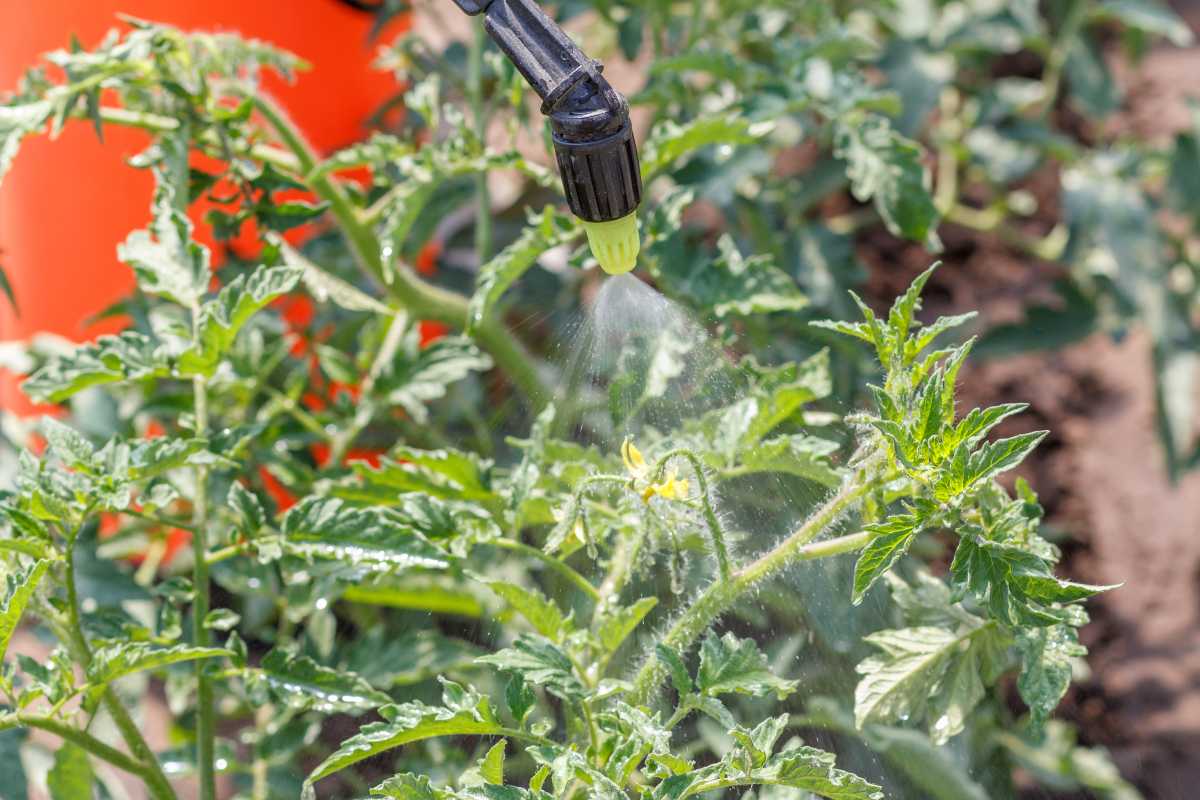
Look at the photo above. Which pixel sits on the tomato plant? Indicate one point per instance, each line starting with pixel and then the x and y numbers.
pixel 415 552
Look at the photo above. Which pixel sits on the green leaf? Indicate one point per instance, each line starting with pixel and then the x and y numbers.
pixel 738 430
pixel 440 473
pixel 801 455
pixel 1046 668
pixel 71 777
pixel 519 698
pixel 541 663
pixel 251 515
pixel 524 477
pixel 20 584
pixel 798 766
pixel 567 765
pixel 542 614
pixel 419 374
pixel 615 626
pixel 221 619
pixel 730 285
pixel 933 770
pixel 365 539
pixel 164 258
pixel 492 766
pixel 975 425
pixel 67 443
pixel 926 673
pixel 387 660
pixel 326 287
pixel 16 122
pixel 1055 758
pixel 670 141
pixel 114 661
pixel 464 713
pixel 425 172
pixel 425 594
pixel 1000 456
pixel 548 230
pixel 680 679
pixel 1016 586
pixel 222 318
pixel 407 786
pixel 283 216
pixel 900 315
pixel 891 540
pixel 130 356
pixel 300 684
pixel 885 167
pixel 153 457
pixel 813 770
pixel 729 665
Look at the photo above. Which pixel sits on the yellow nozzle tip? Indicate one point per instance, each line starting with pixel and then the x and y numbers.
pixel 615 244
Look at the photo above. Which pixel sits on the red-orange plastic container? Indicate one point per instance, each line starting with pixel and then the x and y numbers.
pixel 66 204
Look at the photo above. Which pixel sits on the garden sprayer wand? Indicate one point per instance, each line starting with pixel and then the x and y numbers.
pixel 589 120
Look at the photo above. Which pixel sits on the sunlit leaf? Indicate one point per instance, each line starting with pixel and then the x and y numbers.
pixel 222 318
pixel 464 713
pixel 732 665
pixel 20 584
pixel 301 684
pixel 541 663
pixel 367 539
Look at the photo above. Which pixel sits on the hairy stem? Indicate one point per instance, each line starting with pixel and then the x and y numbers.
pixel 720 595
pixel 710 517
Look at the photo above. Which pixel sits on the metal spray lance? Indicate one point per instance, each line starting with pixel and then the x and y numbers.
pixel 589 121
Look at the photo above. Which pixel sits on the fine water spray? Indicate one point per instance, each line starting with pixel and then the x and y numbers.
pixel 589 122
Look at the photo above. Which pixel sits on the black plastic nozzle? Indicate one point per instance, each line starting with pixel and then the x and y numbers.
pixel 593 140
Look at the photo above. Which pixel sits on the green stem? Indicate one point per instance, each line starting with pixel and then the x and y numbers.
pixel 81 738
pixel 483 214
pixel 205 716
pixel 720 595
pixel 562 568
pixel 298 413
pixel 710 517
pixel 424 300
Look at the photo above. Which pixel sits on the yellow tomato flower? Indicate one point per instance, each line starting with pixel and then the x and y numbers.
pixel 635 462
pixel 671 488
